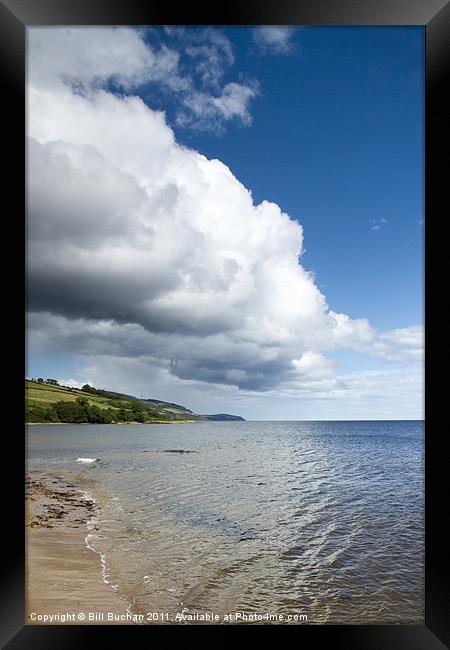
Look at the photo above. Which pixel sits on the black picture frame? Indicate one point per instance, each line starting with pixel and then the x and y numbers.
pixel 434 16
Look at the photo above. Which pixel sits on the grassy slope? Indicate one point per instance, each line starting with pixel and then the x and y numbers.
pixel 45 395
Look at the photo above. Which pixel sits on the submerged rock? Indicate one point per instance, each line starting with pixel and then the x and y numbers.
pixel 180 451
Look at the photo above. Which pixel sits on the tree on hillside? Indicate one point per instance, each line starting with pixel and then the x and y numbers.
pixel 139 414
pixel 124 415
pixel 89 389
pixel 40 380
pixel 98 416
pixel 39 413
pixel 70 412
pixel 52 382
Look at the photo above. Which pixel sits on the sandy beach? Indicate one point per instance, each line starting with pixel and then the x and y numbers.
pixel 64 583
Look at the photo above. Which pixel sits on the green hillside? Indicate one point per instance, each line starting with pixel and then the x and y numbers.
pixel 49 402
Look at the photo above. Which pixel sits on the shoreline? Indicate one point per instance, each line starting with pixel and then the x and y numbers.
pixel 64 574
pixel 92 424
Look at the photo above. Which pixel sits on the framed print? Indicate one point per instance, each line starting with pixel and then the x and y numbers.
pixel 228 426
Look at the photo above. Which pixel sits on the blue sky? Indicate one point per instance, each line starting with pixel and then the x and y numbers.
pixel 337 141
pixel 333 135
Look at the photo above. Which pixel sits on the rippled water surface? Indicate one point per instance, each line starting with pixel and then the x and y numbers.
pixel 316 518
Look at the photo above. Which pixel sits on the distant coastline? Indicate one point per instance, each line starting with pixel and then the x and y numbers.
pixel 47 402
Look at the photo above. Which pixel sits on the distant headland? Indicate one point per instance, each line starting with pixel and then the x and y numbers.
pixel 223 416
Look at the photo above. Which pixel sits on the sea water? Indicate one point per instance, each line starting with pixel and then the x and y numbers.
pixel 323 520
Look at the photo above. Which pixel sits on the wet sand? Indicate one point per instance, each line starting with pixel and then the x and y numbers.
pixel 64 580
